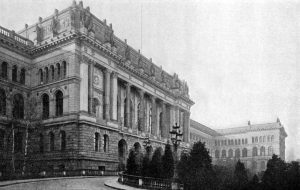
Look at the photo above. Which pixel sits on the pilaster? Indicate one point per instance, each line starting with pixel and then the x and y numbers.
pixel 107 94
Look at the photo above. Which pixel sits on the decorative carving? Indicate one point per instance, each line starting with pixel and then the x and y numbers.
pixel 38 31
pixel 72 16
pixel 109 37
pixel 55 23
pixel 185 88
pixel 87 20
pixel 127 53
pixel 54 26
pixel 152 70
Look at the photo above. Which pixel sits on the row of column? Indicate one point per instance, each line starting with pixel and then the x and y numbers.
pixel 112 111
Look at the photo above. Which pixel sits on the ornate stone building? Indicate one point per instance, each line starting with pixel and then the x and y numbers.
pixel 254 145
pixel 97 96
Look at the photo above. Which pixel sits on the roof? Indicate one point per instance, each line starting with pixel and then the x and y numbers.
pixel 237 130
pixel 250 128
pixel 198 126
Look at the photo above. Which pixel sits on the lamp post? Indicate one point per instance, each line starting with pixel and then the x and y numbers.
pixel 176 138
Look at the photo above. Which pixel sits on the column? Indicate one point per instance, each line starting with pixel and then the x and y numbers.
pixel 164 118
pixel 119 103
pixel 154 116
pixel 107 94
pixel 114 96
pixel 127 122
pixel 141 114
pixel 172 117
pixel 90 86
pixel 186 127
pixel 177 115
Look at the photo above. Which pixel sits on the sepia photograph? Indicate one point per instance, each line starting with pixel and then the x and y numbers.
pixel 149 94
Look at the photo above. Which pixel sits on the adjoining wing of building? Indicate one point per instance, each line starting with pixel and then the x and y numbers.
pixel 254 145
pixel 98 96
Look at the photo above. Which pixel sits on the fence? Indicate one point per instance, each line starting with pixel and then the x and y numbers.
pixel 146 182
pixel 66 173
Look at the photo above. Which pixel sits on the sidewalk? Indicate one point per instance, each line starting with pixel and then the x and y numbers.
pixel 14 182
pixel 113 183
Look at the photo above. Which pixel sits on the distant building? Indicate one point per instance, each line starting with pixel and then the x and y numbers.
pixel 254 145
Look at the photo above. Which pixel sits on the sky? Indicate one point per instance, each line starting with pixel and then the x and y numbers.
pixel 239 57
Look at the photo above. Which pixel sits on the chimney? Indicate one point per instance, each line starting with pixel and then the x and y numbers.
pixel 55 12
pixel 110 25
pixel 40 19
pixel 139 51
pixel 104 21
pixel 125 41
pixel 151 60
pixel 249 123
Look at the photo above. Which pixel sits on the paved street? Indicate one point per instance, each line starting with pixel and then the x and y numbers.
pixel 92 183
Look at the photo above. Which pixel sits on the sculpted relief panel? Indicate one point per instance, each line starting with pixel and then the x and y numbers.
pixel 98 79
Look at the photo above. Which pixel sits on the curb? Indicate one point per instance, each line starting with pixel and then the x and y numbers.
pixel 111 186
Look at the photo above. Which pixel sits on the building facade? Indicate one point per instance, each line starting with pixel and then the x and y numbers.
pixel 253 145
pixel 97 96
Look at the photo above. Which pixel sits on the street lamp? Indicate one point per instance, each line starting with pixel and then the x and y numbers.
pixel 146 142
pixel 176 138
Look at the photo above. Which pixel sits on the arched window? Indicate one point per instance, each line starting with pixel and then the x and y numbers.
pixel 65 69
pixel 237 153
pixel 270 151
pixel 45 100
pixel 268 138
pixel 239 141
pixel 246 141
pixel 51 141
pixel 2 102
pixel 46 75
pixel 243 142
pixel 235 141
pixel 106 143
pixel 2 133
pixel 262 151
pixel 18 106
pixel 62 140
pixel 217 154
pixel 4 70
pixel 256 139
pixel 254 151
pixel 232 142
pixel 272 138
pixel 223 153
pixel 230 153
pixel 41 143
pixel 264 139
pixel 253 140
pixel 97 136
pixel 59 100
pixel 260 139
pixel 15 73
pixel 216 143
pixel 18 142
pixel 22 76
pixel 41 73
pixel 58 71
pixel 52 72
